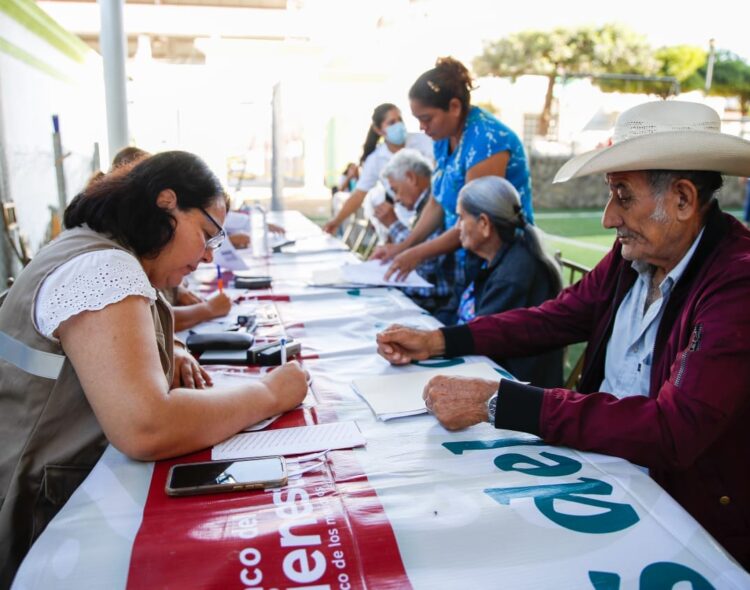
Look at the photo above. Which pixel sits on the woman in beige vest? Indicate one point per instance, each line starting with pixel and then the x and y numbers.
pixel 86 353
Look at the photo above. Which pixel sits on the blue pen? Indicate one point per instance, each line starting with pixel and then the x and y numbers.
pixel 283 350
pixel 219 280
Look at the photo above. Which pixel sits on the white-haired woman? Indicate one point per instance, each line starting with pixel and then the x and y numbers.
pixel 516 272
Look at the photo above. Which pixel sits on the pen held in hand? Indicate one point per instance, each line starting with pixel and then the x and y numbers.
pixel 219 280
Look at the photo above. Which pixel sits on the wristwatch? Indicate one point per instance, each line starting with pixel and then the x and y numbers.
pixel 491 409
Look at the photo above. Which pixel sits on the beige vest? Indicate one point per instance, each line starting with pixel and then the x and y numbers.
pixel 49 436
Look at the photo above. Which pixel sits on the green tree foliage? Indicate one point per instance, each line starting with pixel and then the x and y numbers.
pixel 731 77
pixel 677 67
pixel 587 51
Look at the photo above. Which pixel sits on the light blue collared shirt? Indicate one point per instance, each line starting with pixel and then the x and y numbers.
pixel 630 350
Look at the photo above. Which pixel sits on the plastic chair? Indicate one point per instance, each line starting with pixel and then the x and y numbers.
pixel 361 237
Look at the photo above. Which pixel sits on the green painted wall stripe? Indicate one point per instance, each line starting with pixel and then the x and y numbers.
pixel 24 56
pixel 29 15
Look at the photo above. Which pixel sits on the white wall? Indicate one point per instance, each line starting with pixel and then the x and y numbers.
pixel 41 75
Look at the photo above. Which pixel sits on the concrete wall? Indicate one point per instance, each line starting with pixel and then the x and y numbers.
pixel 590 191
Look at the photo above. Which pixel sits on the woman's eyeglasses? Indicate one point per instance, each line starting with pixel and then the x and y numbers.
pixel 216 240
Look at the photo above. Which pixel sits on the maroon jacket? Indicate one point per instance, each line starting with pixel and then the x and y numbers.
pixel 693 429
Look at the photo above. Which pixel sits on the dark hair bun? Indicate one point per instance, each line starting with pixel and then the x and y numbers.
pixel 449 79
pixel 454 70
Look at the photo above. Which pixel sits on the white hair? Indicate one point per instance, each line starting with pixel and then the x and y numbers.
pixel 498 199
pixel 407 160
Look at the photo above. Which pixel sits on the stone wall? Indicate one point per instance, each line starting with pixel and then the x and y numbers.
pixel 590 191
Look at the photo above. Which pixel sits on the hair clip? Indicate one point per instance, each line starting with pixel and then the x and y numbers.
pixel 434 87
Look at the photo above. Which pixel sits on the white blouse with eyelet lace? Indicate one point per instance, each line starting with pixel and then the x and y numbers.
pixel 89 282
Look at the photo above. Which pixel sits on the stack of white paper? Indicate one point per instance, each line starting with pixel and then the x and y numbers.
pixel 370 273
pixel 290 441
pixel 314 244
pixel 395 396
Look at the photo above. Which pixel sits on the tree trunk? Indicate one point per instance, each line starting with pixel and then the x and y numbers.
pixel 544 118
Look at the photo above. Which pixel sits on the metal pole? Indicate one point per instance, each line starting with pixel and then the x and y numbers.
pixel 96 164
pixel 710 65
pixel 277 176
pixel 114 52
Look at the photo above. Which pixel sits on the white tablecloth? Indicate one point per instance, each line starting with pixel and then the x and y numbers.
pixel 418 507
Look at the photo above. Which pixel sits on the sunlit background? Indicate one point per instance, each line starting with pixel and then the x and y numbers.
pixel 201 76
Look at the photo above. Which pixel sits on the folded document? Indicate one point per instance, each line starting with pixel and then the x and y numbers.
pixel 399 395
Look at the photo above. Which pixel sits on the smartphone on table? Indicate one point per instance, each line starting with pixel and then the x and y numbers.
pixel 210 477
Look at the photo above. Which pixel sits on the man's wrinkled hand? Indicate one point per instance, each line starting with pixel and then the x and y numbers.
pixel 458 402
pixel 400 345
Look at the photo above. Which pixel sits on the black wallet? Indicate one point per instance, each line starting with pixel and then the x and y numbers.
pixel 199 343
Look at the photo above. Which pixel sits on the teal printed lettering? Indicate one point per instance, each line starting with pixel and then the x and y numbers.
pixel 604 580
pixel 615 516
pixel 662 575
pixel 516 461
pixel 458 448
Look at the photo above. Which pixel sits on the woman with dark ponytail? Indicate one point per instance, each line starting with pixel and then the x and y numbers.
pixel 469 143
pixel 388 125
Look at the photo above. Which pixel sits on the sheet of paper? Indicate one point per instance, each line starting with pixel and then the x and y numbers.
pixel 227 257
pixel 262 424
pixel 370 273
pixel 398 395
pixel 373 272
pixel 236 221
pixel 290 441
pixel 313 245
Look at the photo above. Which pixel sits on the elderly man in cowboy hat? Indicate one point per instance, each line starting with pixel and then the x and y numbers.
pixel 666 380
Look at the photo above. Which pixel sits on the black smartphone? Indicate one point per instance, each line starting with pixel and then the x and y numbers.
pixel 210 477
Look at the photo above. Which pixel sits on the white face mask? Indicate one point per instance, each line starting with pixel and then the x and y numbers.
pixel 396 133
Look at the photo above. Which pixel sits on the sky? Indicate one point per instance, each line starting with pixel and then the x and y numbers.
pixel 664 22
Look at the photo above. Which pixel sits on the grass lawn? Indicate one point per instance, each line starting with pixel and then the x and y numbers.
pixel 579 234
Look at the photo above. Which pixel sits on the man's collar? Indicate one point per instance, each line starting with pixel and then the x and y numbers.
pixel 425 193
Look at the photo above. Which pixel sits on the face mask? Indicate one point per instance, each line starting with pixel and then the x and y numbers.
pixel 396 133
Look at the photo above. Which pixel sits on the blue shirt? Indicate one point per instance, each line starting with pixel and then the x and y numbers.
pixel 483 136
pixel 630 350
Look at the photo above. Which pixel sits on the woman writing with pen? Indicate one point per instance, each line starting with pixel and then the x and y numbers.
pixel 87 353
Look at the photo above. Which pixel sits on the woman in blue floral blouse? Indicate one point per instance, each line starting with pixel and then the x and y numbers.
pixel 469 143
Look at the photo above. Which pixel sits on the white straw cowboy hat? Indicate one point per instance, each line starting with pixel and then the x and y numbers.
pixel 665 135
